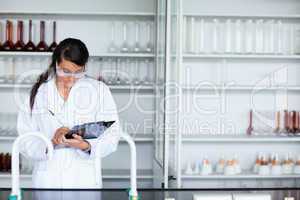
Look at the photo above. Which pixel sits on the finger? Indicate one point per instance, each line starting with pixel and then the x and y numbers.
pixel 64 140
pixel 54 139
pixel 60 139
pixel 78 137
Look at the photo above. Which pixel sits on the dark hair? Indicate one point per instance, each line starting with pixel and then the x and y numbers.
pixel 69 49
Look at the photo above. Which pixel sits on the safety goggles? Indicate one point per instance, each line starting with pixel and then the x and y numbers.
pixel 61 72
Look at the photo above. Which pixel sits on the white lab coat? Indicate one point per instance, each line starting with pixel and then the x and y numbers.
pixel 89 100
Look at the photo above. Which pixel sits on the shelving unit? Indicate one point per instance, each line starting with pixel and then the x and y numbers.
pixel 241 88
pixel 240 139
pixel 103 55
pixel 137 138
pixel 107 174
pixel 241 56
pixel 229 15
pixel 244 175
pixel 112 87
pixel 91 24
pixel 72 14
pixel 214 91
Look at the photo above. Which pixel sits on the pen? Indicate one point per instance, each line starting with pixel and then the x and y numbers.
pixel 52 113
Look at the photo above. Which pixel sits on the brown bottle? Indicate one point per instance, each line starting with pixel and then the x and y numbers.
pixel 8 44
pixel 1 162
pixel 0 41
pixel 291 122
pixel 297 123
pixel 4 162
pixel 294 121
pixel 7 162
pixel 286 121
pixel 54 44
pixel 277 122
pixel 250 128
pixel 42 46
pixel 30 46
pixel 19 46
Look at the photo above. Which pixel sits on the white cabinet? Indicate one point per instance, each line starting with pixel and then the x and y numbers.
pixel 231 57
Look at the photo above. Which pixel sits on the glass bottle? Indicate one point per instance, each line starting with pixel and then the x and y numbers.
pixel 125 46
pixel 228 36
pixel 277 122
pixel 291 121
pixel 137 73
pixel 147 80
pixel 117 70
pixel 112 46
pixel 8 44
pixel 54 44
pixel 238 36
pixel 137 48
pixel 250 128
pixel 215 35
pixel 286 121
pixel 30 46
pixel 191 40
pixel 42 46
pixel 100 71
pixel 1 162
pixel 259 36
pixel 0 32
pixel 149 46
pixel 19 46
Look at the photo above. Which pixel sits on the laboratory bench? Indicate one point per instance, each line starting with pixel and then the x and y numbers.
pixel 159 194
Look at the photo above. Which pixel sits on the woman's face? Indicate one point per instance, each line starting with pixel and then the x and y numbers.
pixel 68 72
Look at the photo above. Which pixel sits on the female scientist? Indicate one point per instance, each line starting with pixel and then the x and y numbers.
pixel 61 98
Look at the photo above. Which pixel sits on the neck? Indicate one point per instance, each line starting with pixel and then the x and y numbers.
pixel 63 89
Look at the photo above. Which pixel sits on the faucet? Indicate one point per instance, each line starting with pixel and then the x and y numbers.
pixel 16 191
pixel 133 194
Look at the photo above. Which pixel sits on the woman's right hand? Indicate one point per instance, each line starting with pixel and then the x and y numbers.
pixel 59 135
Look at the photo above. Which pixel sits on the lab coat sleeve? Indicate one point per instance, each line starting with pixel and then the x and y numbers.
pixel 107 111
pixel 32 148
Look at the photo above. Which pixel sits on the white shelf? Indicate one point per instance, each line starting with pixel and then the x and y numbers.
pixel 239 138
pixel 245 175
pixel 270 16
pixel 112 87
pixel 241 87
pixel 240 56
pixel 72 14
pixel 48 54
pixel 137 138
pixel 107 174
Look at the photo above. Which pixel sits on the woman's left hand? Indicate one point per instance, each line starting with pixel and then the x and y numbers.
pixel 77 142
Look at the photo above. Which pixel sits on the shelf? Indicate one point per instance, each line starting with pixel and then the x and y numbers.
pixel 139 138
pixel 48 54
pixel 118 174
pixel 112 87
pixel 241 87
pixel 72 14
pixel 237 56
pixel 239 138
pixel 245 175
pixel 210 15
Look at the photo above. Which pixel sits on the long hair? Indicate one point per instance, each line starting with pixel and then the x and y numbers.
pixel 69 49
